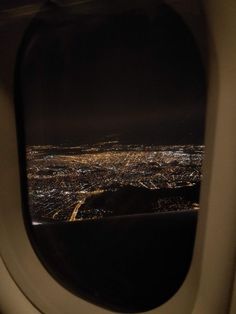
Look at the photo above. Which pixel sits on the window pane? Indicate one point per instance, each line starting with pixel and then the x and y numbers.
pixel 113 103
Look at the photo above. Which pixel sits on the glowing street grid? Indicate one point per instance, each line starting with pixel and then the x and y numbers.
pixel 61 179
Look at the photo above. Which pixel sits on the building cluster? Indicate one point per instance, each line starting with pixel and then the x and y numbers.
pixel 62 178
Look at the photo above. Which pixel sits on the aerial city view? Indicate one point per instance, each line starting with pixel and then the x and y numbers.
pixel 111 179
pixel 114 118
pixel 112 122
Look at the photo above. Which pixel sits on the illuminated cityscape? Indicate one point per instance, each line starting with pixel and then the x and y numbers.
pixel 76 183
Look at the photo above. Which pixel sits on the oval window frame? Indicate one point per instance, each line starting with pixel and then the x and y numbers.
pixel 16 249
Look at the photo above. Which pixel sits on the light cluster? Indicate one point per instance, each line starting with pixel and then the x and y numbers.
pixel 60 179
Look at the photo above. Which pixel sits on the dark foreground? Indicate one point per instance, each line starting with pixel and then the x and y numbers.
pixel 127 264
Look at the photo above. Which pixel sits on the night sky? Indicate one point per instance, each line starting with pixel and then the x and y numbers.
pixel 133 76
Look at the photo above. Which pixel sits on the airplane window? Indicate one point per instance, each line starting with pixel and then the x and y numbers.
pixel 110 101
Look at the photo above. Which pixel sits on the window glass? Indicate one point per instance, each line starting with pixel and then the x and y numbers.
pixel 112 104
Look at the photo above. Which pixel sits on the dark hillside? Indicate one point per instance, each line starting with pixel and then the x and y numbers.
pixel 135 200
